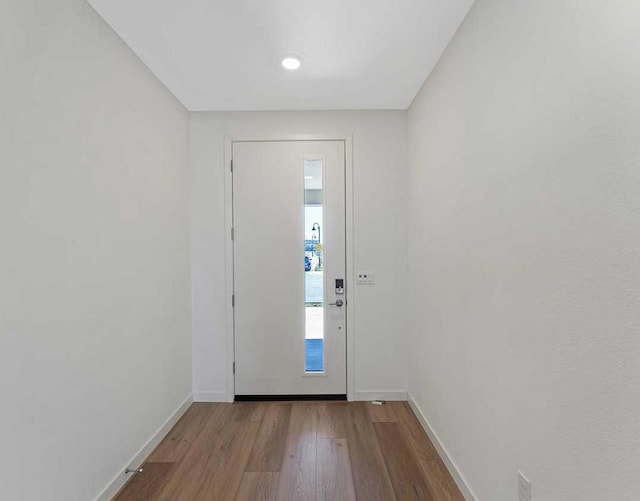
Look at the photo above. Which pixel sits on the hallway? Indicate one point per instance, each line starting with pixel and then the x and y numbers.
pixel 295 451
pixel 461 179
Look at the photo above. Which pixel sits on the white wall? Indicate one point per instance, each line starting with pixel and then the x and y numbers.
pixel 95 347
pixel 379 140
pixel 524 249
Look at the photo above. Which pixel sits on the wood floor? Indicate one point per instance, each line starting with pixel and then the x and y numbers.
pixel 303 451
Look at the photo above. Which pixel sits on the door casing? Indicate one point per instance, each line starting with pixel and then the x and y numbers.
pixel 350 273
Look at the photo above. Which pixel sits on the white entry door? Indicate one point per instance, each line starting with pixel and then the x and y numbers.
pixel 289 268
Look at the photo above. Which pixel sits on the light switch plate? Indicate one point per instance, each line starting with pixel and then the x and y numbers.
pixel 365 278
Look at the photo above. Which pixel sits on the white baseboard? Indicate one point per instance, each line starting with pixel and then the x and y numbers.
pixel 210 396
pixel 389 395
pixel 451 466
pixel 139 458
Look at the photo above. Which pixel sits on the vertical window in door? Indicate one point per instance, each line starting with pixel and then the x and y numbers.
pixel 313 267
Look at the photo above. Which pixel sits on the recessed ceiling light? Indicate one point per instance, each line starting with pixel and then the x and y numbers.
pixel 291 62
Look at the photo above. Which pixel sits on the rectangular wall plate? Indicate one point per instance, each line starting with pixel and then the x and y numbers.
pixel 365 278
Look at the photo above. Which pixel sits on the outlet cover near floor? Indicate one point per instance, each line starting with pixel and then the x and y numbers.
pixel 524 488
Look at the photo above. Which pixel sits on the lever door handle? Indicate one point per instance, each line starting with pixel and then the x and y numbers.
pixel 338 303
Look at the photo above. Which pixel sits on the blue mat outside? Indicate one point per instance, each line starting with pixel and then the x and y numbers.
pixel 314 355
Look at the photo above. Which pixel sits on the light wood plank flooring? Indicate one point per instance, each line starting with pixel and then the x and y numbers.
pixel 303 451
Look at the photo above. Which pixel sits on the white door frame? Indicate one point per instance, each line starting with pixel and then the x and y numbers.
pixel 228 216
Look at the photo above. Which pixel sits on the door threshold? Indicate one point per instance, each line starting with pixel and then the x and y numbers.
pixel 280 398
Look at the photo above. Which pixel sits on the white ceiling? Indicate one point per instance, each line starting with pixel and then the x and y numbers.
pixel 225 54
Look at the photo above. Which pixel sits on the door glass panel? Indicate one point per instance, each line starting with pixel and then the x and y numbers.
pixel 313 267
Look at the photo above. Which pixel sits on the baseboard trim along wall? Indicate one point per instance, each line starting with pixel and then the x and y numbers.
pixel 390 395
pixel 139 458
pixel 451 466
pixel 210 396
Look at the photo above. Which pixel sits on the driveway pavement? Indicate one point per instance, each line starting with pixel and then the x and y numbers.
pixel 313 286
pixel 314 314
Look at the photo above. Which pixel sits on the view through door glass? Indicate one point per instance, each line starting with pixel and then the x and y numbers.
pixel 313 267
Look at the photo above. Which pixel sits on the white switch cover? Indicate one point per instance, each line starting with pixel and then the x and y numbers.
pixel 524 488
pixel 364 278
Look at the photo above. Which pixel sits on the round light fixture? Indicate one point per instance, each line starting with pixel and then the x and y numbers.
pixel 291 62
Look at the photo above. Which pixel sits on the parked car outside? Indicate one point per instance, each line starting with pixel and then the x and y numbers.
pixel 307 263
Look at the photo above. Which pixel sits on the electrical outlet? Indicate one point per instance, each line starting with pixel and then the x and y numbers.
pixel 364 278
pixel 524 488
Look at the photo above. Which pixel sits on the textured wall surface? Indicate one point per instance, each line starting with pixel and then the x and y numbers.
pixel 524 151
pixel 95 345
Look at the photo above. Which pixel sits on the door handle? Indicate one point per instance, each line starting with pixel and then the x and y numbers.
pixel 338 303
